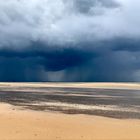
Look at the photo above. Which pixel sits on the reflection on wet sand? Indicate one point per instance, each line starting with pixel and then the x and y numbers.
pixel 108 102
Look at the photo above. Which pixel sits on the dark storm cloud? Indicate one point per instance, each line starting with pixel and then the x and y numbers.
pixel 113 63
pixel 98 64
pixel 126 44
pixel 28 64
pixel 69 40
pixel 51 59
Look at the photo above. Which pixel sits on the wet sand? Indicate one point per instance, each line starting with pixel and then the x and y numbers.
pixel 70 98
pixel 69 111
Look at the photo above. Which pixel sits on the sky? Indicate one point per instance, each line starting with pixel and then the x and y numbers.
pixel 70 40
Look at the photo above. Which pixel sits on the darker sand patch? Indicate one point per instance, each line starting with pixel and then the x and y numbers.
pixel 26 97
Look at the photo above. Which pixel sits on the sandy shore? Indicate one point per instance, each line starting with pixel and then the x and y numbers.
pixel 18 124
pixel 110 85
pixel 69 111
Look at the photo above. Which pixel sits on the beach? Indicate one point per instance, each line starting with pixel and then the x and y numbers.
pixel 30 111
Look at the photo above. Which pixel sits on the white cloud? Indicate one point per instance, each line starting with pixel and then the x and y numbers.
pixel 66 21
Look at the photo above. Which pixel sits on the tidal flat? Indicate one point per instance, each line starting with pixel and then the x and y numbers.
pixel 75 98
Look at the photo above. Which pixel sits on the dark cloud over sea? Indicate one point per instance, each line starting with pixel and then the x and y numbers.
pixel 69 40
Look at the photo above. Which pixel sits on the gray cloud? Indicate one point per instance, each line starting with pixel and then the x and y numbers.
pixel 69 40
pixel 64 21
pixel 89 6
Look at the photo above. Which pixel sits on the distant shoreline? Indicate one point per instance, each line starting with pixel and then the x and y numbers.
pixel 104 85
